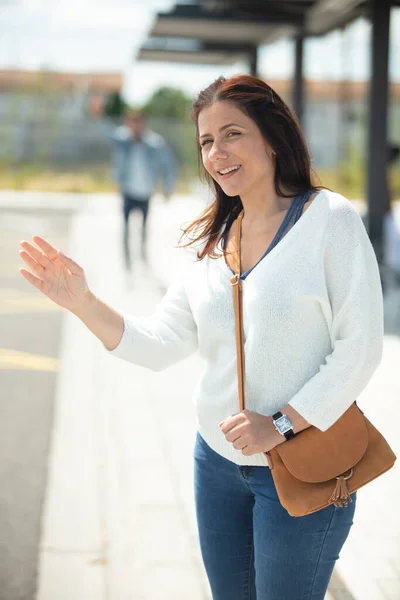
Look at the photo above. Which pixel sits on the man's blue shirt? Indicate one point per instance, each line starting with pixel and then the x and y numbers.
pixel 140 165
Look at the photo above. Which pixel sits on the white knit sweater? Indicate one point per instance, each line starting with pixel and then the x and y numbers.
pixel 313 325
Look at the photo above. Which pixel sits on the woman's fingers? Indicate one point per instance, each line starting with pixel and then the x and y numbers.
pixel 31 263
pixel 40 258
pixel 71 265
pixel 35 281
pixel 47 248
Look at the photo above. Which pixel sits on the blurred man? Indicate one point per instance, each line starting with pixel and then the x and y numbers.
pixel 141 160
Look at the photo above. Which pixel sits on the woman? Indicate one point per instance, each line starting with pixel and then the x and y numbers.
pixel 313 337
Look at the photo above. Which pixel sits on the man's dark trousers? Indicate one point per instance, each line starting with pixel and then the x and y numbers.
pixel 132 203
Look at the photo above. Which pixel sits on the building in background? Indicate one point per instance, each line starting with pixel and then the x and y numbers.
pixel 44 119
pixel 43 116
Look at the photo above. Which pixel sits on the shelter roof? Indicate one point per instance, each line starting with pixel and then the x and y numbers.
pixel 224 31
pixel 255 21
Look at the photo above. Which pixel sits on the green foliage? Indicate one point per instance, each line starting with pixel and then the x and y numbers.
pixel 352 173
pixel 168 114
pixel 168 102
pixel 394 180
pixel 114 105
pixel 350 177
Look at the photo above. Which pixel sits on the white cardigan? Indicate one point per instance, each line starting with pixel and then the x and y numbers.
pixel 313 323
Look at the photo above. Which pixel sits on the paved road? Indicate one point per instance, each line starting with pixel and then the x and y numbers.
pixel 29 343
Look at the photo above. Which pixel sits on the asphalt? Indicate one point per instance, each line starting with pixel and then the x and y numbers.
pixel 29 346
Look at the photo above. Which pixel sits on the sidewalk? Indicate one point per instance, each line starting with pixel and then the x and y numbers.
pixel 119 519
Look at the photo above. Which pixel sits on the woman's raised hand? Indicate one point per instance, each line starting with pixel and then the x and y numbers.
pixel 54 274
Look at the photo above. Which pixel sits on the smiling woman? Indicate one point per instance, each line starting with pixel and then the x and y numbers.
pixel 312 332
pixel 253 154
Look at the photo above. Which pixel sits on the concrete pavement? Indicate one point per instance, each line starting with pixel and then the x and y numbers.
pixel 119 519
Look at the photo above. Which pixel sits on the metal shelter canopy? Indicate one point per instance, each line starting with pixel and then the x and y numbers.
pixel 217 23
pixel 193 51
pixel 225 34
pixel 242 22
pixel 255 21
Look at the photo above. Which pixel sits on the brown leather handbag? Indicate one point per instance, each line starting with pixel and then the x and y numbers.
pixel 316 469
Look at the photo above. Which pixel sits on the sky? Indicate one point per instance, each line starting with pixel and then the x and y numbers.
pixel 104 35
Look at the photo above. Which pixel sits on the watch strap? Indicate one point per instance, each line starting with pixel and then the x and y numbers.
pixel 288 434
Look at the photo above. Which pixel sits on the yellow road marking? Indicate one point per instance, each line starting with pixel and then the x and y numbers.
pixel 15 301
pixel 15 360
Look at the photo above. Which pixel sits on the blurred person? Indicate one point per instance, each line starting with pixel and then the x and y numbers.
pixel 141 160
pixel 313 325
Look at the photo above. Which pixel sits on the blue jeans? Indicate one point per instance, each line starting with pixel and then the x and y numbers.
pixel 252 549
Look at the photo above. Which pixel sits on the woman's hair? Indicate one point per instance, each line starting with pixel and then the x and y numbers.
pixel 280 129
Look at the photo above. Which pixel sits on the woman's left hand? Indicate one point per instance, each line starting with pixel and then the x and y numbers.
pixel 251 432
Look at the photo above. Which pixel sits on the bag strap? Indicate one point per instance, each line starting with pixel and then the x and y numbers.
pixel 238 308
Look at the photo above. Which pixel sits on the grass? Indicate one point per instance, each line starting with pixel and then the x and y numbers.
pixel 92 178
pixel 95 178
pixel 349 181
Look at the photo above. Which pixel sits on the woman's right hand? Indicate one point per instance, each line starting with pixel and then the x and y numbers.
pixel 54 274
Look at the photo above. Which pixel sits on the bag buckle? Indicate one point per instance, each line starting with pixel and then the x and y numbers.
pixel 348 476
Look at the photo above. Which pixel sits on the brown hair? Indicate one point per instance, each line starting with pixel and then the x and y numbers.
pixel 279 127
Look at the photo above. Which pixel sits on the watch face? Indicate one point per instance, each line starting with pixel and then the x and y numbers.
pixel 283 424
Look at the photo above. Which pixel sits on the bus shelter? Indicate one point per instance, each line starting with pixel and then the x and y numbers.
pixel 225 31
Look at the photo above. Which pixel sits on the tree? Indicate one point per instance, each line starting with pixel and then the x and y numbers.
pixel 168 114
pixel 114 105
pixel 168 102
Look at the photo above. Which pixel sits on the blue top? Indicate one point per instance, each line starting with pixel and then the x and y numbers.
pixel 292 216
pixel 151 159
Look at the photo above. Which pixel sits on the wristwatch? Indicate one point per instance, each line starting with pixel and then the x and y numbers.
pixel 283 425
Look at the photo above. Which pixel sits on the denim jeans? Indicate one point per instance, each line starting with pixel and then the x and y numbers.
pixel 252 549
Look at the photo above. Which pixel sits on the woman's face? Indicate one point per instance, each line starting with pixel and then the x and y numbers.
pixel 233 150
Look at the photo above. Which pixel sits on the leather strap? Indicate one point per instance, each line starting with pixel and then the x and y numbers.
pixel 238 308
pixel 288 434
